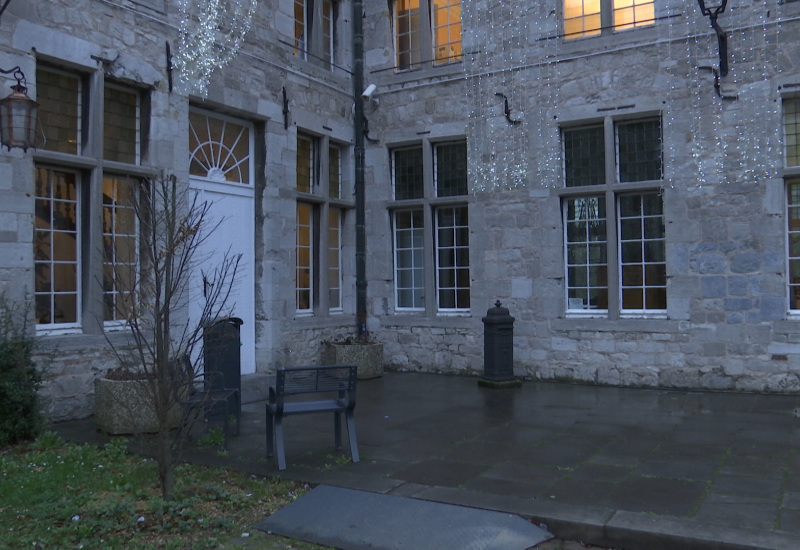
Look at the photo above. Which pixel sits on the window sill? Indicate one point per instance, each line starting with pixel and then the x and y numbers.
pixel 605 324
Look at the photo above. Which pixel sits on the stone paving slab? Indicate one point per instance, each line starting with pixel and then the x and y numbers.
pixel 359 520
pixel 650 467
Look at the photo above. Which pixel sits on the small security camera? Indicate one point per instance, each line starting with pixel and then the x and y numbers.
pixel 367 94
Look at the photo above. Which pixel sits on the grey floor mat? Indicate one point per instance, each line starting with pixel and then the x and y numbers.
pixel 356 520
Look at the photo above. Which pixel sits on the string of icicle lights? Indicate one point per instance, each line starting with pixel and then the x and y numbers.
pixel 209 37
pixel 499 124
pixel 707 140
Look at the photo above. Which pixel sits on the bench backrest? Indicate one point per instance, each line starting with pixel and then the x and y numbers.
pixel 326 378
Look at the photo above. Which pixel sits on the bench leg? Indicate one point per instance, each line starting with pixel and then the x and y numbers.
pixel 351 435
pixel 270 433
pixel 337 430
pixel 279 443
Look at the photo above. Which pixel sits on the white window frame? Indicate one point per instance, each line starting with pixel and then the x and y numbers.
pixel 409 270
pixel 52 292
pixel 88 163
pixel 611 190
pixel 428 203
pixel 318 197
pixel 116 321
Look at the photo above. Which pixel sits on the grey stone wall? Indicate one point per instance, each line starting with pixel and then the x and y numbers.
pixel 727 325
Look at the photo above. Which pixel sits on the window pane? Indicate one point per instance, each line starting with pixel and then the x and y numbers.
pixel 633 13
pixel 793 223
pixel 446 18
pixel 329 9
pixel 300 28
pixel 450 169
pixel 219 148
pixel 639 150
pixel 407 168
pixel 581 18
pixel 642 248
pixel 56 251
pixel 452 277
pixel 408 259
pixel 334 172
pixel 584 157
pixel 334 258
pixel 791 130
pixel 407 29
pixel 121 125
pixel 303 255
pixel 306 164
pixel 120 238
pixel 586 261
pixel 59 97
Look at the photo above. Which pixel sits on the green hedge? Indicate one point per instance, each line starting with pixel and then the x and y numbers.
pixel 20 414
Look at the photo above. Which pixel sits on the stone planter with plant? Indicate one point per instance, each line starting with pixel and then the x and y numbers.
pixel 361 351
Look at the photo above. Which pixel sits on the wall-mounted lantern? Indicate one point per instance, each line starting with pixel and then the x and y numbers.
pixel 18 115
pixel 711 9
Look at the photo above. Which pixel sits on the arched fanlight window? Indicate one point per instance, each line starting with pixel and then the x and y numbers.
pixel 220 148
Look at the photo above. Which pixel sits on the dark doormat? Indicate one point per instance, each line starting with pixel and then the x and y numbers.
pixel 359 520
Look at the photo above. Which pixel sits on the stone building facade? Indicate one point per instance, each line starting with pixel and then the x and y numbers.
pixel 594 169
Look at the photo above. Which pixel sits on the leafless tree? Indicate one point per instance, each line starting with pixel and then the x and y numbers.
pixel 154 303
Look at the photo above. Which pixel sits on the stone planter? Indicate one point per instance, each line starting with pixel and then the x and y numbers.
pixel 368 358
pixel 125 407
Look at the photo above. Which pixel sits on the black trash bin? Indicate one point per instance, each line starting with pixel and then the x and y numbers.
pixel 222 358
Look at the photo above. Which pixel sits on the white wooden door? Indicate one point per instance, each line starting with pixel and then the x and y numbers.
pixel 232 216
pixel 221 173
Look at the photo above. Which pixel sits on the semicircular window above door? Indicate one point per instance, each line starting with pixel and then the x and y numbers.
pixel 220 148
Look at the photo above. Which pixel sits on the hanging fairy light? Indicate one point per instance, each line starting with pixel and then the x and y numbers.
pixel 209 37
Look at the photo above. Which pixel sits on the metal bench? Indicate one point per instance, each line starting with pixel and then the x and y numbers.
pixel 340 379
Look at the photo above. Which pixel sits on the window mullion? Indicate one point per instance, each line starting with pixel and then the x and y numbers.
pixel 427 55
pixel 429 241
pixel 610 141
pixel 606 15
pixel 91 203
pixel 614 281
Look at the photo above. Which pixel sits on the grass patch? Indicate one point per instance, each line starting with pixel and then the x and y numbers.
pixel 55 494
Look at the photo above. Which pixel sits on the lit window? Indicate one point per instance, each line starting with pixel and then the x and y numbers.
pixel 120 243
pixel 304 253
pixel 581 18
pixel 426 31
pixel 306 164
pixel 593 17
pixel 73 291
pixel 57 237
pixel 321 215
pixel 312 44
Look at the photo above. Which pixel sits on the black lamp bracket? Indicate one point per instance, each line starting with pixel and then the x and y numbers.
pixel 722 36
pixel 18 74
